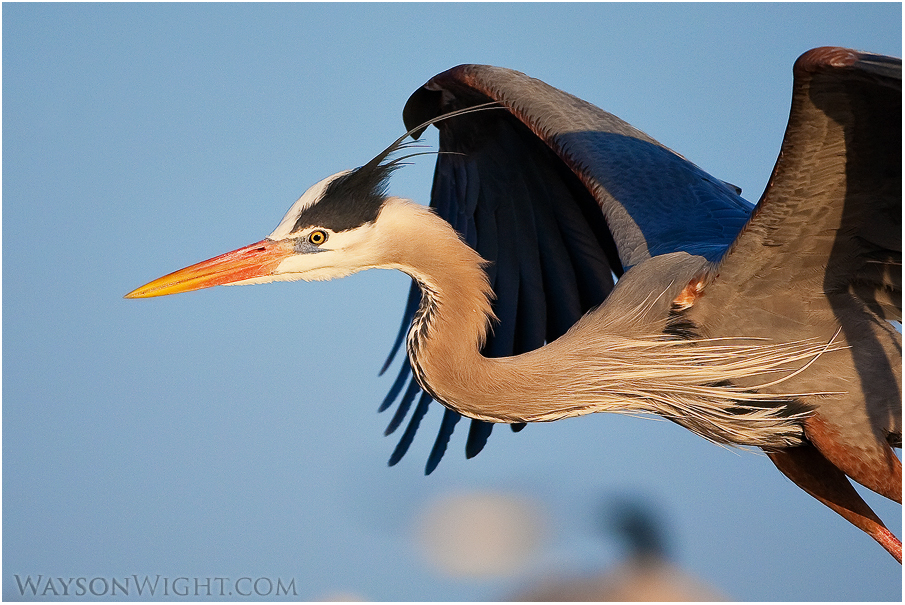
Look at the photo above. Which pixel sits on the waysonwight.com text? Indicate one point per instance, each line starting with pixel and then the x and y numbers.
pixel 153 586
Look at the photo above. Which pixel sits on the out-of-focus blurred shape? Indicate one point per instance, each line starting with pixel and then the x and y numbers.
pixel 340 596
pixel 480 534
pixel 645 574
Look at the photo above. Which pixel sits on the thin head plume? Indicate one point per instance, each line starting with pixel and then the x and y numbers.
pixel 356 196
pixel 399 143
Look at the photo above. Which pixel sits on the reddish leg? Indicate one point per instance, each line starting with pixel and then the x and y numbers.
pixel 813 473
pixel 876 467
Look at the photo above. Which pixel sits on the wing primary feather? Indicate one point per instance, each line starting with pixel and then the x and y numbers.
pixel 560 283
pixel 443 190
pixel 410 430
pixel 531 313
pixel 403 408
pixel 411 306
pixel 448 424
pixel 478 433
pixel 589 243
pixel 505 281
pixel 393 393
pixel 488 244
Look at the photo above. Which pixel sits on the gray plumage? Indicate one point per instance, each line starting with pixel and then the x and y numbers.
pixel 819 262
pixel 766 328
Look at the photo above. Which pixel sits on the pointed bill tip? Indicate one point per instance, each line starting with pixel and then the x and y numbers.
pixel 136 293
pixel 257 260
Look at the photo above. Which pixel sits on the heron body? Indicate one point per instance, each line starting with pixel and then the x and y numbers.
pixel 763 327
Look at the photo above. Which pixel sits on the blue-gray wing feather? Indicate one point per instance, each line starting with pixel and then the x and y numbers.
pixel 561 198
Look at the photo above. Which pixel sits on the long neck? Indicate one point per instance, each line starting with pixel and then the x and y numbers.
pixel 451 325
pixel 593 367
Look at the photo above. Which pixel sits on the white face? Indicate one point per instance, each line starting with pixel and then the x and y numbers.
pixel 340 254
pixel 319 252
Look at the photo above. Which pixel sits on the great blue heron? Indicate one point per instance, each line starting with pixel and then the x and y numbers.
pixel 764 328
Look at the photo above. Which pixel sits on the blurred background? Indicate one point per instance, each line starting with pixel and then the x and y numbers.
pixel 232 433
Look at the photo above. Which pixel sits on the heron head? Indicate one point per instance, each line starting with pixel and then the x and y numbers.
pixel 329 232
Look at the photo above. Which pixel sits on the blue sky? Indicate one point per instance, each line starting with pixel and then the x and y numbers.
pixel 233 432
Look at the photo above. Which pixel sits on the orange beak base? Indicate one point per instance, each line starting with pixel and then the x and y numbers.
pixel 257 260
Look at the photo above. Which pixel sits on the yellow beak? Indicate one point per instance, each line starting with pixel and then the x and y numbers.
pixel 257 260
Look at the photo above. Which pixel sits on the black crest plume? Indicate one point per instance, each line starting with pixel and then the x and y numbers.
pixel 355 198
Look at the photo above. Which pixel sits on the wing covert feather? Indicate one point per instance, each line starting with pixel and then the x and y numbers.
pixel 822 252
pixel 832 209
pixel 636 181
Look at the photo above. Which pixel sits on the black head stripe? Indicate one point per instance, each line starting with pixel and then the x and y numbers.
pixel 351 200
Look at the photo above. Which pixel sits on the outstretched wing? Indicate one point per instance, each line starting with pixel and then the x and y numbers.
pixel 822 253
pixel 560 197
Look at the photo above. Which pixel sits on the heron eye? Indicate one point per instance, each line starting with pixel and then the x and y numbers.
pixel 317 237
